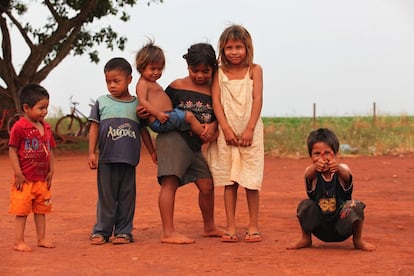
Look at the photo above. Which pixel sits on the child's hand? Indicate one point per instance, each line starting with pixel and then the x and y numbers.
pixel 333 165
pixel 162 117
pixel 246 138
pixel 19 182
pixel 49 179
pixel 209 133
pixel 230 137
pixel 92 161
pixel 142 113
pixel 321 165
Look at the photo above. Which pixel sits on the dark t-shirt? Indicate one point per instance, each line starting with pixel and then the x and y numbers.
pixel 198 103
pixel 329 195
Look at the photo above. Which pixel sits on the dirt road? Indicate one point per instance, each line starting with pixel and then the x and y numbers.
pixel 385 184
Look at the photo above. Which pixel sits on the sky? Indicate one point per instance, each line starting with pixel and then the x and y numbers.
pixel 341 56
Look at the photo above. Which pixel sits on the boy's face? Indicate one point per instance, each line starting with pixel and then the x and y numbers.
pixel 38 112
pixel 117 82
pixel 200 74
pixel 152 72
pixel 321 152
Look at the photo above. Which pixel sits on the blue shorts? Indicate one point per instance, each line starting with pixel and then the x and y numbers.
pixel 176 121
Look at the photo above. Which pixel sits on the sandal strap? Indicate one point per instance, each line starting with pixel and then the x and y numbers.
pixel 125 236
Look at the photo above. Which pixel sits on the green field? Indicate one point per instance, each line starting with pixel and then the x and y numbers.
pixel 357 135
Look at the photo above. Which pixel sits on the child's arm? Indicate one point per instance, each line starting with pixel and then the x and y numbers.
pixel 146 138
pixel 14 160
pixel 93 140
pixel 343 171
pixel 311 172
pixel 257 76
pixel 229 135
pixel 310 177
pixel 51 169
pixel 142 91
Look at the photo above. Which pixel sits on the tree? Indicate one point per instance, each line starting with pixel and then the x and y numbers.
pixel 64 33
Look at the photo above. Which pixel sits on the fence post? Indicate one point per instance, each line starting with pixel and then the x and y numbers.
pixel 314 115
pixel 374 107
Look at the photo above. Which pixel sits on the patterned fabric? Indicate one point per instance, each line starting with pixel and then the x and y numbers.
pixel 198 103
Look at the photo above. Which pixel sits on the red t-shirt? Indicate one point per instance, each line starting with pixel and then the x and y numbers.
pixel 33 149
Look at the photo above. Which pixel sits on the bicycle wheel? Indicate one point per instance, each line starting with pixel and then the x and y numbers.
pixel 12 121
pixel 85 129
pixel 69 126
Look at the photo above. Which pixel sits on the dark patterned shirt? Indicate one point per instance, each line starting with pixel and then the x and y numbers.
pixel 198 103
pixel 330 195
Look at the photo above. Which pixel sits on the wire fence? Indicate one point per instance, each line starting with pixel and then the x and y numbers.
pixel 374 113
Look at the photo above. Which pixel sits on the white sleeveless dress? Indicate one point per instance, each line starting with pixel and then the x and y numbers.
pixel 232 164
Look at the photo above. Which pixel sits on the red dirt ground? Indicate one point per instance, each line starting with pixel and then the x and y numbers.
pixel 385 184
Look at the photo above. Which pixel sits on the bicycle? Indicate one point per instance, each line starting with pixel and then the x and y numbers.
pixel 12 116
pixel 74 124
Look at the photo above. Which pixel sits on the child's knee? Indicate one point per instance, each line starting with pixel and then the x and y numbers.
pixel 305 206
pixel 353 208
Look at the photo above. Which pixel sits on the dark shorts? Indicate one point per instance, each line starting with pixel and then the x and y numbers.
pixel 335 229
pixel 174 157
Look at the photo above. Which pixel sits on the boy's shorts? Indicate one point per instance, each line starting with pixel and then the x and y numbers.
pixel 35 197
pixel 335 230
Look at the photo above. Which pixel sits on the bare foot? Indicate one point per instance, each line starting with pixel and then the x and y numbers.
pixel 45 244
pixel 22 247
pixel 365 246
pixel 215 233
pixel 176 238
pixel 303 243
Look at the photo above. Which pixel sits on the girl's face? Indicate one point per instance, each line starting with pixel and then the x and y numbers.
pixel 322 152
pixel 117 83
pixel 38 112
pixel 235 51
pixel 152 71
pixel 200 74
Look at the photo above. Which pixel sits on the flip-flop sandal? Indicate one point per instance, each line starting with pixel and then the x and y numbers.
pixel 122 239
pixel 227 237
pixel 253 237
pixel 97 239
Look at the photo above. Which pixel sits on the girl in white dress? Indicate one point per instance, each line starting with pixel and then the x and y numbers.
pixel 237 157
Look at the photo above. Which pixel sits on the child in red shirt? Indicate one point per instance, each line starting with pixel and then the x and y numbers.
pixel 31 156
